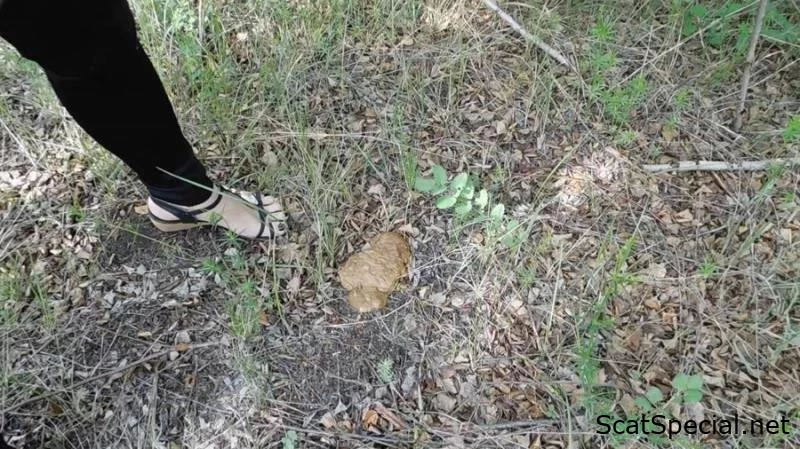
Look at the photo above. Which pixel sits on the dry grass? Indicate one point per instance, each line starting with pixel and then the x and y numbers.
pixel 623 281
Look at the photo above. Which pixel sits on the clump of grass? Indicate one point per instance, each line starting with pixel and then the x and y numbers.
pixel 246 304
pixel 726 28
pixel 617 101
pixel 12 290
pixel 385 370
pixel 791 134
pixel 594 322
pixel 19 287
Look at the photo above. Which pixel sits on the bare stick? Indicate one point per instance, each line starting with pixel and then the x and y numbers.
pixel 683 166
pixel 555 54
pixel 748 65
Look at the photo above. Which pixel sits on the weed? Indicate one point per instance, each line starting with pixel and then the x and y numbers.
pixel 246 305
pixel 788 199
pixel 508 231
pixel 707 269
pixel 603 31
pixel 527 277
pixel 792 132
pixel 689 388
pixel 619 102
pixel 43 302
pixel 594 322
pixel 722 73
pixel 290 440
pixel 385 370
pixel 774 174
pixel 460 195
pixel 682 100
pixel 626 138
pixel 11 294
pixel 725 29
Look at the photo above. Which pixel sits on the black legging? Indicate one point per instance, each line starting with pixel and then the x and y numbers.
pixel 92 57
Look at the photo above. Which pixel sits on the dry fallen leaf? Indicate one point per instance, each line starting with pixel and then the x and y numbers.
pixel 369 418
pixel 684 216
pixel 669 132
pixel 328 421
pixel 390 416
pixel 654 274
pixel 190 380
pixel 369 276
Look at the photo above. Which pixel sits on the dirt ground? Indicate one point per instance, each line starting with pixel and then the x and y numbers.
pixel 604 289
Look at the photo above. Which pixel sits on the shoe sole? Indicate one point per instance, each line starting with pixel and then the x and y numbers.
pixel 174 227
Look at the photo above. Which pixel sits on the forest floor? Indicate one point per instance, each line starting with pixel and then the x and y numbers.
pixel 597 291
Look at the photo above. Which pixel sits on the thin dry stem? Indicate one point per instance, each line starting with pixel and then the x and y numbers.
pixel 748 65
pixel 552 52
pixel 684 166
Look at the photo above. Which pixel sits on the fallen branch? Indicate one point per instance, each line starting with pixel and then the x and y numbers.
pixel 552 52
pixel 683 166
pixel 748 65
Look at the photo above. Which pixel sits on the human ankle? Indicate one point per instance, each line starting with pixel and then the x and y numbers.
pixel 191 197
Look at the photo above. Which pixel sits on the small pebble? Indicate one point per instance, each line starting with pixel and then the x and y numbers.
pixel 182 337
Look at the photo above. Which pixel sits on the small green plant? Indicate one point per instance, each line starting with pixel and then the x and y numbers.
pixel 508 231
pixel 75 211
pixel 626 138
pixel 409 166
pixel 788 199
pixel 43 301
pixel 792 132
pixel 211 266
pixel 603 31
pixel 618 102
pixel 652 403
pixel 651 399
pixel 526 276
pixel 386 370
pixel 687 390
pixel 246 304
pixel 596 321
pixel 245 310
pixel 290 440
pixel 183 19
pixel 707 269
pixel 458 194
pixel 724 27
pixel 682 100
pixel 11 294
pixel 690 388
pixel 770 184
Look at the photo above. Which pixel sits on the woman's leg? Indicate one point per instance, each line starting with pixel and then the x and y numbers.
pixel 92 57
pixel 100 73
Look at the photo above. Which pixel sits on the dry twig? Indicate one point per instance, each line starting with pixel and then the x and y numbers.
pixel 683 166
pixel 552 52
pixel 748 65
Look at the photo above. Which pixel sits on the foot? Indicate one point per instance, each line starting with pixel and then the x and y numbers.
pixel 248 215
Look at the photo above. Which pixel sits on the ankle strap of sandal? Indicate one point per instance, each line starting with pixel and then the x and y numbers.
pixel 185 215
